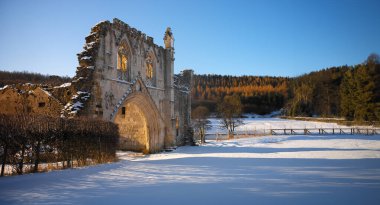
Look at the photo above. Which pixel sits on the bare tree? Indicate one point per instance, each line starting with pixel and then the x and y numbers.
pixel 6 141
pixel 229 110
pixel 373 58
pixel 200 122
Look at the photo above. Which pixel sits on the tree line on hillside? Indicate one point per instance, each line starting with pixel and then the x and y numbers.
pixel 352 92
pixel 316 93
pixel 258 94
pixel 16 77
pixel 29 140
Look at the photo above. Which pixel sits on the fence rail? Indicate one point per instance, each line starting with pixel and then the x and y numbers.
pixel 326 131
pixel 297 131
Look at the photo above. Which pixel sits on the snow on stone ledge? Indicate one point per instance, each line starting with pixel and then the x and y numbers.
pixel 77 106
pixel 88 46
pixel 100 22
pixel 64 85
pixel 3 88
pixel 47 93
pixel 76 103
pixel 86 58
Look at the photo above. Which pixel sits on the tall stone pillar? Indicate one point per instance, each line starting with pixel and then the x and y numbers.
pixel 169 89
pixel 188 82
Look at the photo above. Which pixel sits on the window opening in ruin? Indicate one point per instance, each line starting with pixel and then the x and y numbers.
pixel 123 110
pixel 98 112
pixel 122 62
pixel 150 71
pixel 149 68
pixel 41 104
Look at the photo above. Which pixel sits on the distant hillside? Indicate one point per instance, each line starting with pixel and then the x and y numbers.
pixel 316 93
pixel 258 94
pixel 352 92
pixel 15 77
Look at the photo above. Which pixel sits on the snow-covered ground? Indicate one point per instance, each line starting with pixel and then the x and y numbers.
pixel 331 169
pixel 264 125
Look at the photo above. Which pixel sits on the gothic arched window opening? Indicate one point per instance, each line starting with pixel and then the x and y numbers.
pixel 122 62
pixel 149 68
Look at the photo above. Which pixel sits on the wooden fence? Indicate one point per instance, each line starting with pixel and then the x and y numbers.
pixel 326 131
pixel 291 131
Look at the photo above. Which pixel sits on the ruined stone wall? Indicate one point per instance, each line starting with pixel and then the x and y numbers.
pixel 98 62
pixel 28 99
pixel 183 84
pixel 115 57
pixel 121 68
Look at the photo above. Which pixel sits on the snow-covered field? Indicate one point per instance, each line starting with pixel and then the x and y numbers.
pixel 331 169
pixel 263 126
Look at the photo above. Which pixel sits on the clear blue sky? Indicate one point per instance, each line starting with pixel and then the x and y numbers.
pixel 253 37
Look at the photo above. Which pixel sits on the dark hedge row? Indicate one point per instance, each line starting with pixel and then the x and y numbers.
pixel 32 140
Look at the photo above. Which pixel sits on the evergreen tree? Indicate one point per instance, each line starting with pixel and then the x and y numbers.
pixel 347 94
pixel 363 99
pixel 373 64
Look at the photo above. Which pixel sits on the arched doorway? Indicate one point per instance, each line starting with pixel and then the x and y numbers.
pixel 132 128
pixel 141 128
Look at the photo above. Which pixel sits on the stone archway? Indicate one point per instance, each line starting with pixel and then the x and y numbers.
pixel 132 128
pixel 140 125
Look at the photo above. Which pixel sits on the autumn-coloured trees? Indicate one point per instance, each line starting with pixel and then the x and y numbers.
pixel 352 92
pixel 258 94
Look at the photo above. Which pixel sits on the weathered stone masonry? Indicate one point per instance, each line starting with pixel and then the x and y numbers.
pixel 125 78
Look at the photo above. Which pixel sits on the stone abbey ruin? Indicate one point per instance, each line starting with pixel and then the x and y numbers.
pixel 123 77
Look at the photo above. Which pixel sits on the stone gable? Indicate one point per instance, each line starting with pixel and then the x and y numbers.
pixel 123 77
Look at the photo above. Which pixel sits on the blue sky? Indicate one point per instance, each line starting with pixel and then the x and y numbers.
pixel 253 37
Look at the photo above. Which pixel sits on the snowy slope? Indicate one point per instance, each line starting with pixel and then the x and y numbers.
pixel 261 170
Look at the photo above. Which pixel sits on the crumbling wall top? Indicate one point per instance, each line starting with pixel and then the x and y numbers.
pixel 184 80
pixel 117 24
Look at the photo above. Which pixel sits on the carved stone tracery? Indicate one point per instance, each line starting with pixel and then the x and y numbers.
pixel 123 56
pixel 149 67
